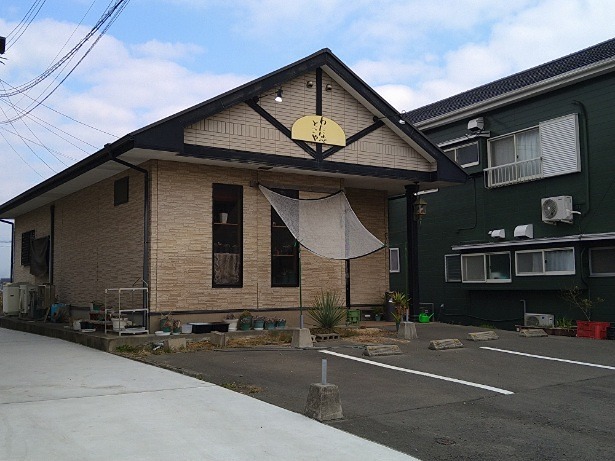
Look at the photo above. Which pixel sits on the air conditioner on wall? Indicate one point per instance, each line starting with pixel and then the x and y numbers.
pixel 556 209
pixel 539 320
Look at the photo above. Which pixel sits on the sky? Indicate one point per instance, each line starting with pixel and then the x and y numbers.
pixel 161 56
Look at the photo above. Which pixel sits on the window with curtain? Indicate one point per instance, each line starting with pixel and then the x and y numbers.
pixel 227 233
pixel 284 249
pixel 545 262
pixel 485 267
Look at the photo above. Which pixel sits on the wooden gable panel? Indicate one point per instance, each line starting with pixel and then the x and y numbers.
pixel 241 128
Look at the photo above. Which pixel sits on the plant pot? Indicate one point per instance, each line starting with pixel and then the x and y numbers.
pixel 269 326
pixel 280 325
pixel 593 330
pixel 232 324
pixel 166 325
pixel 258 324
pixel 245 323
pixel 377 317
pixel 201 327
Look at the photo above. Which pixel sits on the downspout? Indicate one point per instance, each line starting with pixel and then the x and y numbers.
pixel 586 152
pixel 12 243
pixel 145 220
pixel 52 220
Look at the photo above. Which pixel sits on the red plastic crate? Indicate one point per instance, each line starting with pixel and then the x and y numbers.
pixel 594 330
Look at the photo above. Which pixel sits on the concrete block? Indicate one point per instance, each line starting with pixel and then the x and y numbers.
pixel 483 336
pixel 323 402
pixel 381 349
pixel 327 336
pixel 442 344
pixel 407 330
pixel 218 339
pixel 301 338
pixel 533 333
pixel 174 344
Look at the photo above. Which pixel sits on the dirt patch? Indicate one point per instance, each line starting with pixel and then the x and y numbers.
pixel 248 389
pixel 275 338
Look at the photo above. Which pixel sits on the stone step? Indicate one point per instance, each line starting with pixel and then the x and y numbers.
pixel 483 336
pixel 533 333
pixel 442 344
pixel 381 349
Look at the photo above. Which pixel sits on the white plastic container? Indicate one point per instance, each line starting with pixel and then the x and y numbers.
pixel 186 328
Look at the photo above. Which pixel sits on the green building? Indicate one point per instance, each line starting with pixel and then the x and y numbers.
pixel 537 216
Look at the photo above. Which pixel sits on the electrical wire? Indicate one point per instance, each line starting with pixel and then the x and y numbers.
pixel 19 155
pixel 108 18
pixel 23 25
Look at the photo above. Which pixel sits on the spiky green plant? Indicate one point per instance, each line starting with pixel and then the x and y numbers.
pixel 327 310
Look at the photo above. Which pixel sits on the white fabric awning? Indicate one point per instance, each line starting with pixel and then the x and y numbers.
pixel 327 226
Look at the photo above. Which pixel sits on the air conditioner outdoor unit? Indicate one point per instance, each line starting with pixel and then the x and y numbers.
pixel 556 209
pixel 539 320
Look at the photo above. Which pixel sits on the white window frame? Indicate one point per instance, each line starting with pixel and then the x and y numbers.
pixel 599 274
pixel 544 270
pixel 486 268
pixel 394 256
pixel 465 165
pixel 446 277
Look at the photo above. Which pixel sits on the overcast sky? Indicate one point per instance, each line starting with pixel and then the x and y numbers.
pixel 161 56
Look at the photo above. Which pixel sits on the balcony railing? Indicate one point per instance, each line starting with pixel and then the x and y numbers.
pixel 513 173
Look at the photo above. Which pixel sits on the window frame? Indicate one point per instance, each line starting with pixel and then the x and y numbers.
pixel 544 272
pixel 276 228
pixel 26 242
pixel 514 135
pixel 459 146
pixel 446 266
pixel 121 191
pixel 218 229
pixel 599 274
pixel 395 251
pixel 486 256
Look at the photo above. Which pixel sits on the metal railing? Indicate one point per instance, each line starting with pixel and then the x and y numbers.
pixel 512 173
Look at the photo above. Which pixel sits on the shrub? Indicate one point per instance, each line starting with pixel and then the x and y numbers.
pixel 327 311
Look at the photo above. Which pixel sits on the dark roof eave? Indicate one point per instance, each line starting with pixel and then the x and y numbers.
pixel 104 155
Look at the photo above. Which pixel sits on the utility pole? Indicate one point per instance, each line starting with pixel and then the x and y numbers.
pixel 2 47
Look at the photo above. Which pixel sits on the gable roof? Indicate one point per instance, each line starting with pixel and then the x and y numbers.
pixel 571 67
pixel 165 139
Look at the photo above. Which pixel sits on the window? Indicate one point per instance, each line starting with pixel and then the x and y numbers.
pixel 284 249
pixel 487 267
pixel 558 261
pixel 452 268
pixel 26 243
pixel 465 155
pixel 394 260
pixel 227 221
pixel 550 149
pixel 120 191
pixel 602 262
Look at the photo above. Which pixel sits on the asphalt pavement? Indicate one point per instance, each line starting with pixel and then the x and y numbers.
pixel 63 401
pixel 550 398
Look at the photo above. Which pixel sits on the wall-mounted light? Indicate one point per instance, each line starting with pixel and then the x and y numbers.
pixel 401 118
pixel 419 208
pixel 328 87
pixel 309 84
pixel 278 95
pixel 497 233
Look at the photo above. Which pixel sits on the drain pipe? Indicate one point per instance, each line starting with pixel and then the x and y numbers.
pixel 12 243
pixel 145 218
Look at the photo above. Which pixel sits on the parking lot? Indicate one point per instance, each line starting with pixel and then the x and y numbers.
pixel 512 398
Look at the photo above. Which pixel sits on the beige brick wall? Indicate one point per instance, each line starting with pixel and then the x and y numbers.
pixel 97 245
pixel 38 221
pixel 181 243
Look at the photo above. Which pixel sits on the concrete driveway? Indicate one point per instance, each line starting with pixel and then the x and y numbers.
pixel 547 398
pixel 63 401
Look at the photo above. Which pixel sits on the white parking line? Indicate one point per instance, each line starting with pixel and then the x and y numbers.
pixel 420 373
pixel 555 359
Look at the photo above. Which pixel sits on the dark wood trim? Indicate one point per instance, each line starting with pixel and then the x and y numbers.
pixel 319 91
pixel 280 126
pixel 354 138
pixel 237 156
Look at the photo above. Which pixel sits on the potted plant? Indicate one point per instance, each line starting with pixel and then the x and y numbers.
pixel 280 324
pixel 327 311
pixel 269 324
pixel 586 328
pixel 177 327
pixel 232 322
pixel 563 327
pixel 245 320
pixel 377 313
pixel 166 323
pixel 258 323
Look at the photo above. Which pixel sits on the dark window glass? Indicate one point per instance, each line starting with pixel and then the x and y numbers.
pixel 227 222
pixel 120 191
pixel 284 249
pixel 26 242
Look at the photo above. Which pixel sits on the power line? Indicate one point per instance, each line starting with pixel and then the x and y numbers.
pixel 19 155
pixel 23 25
